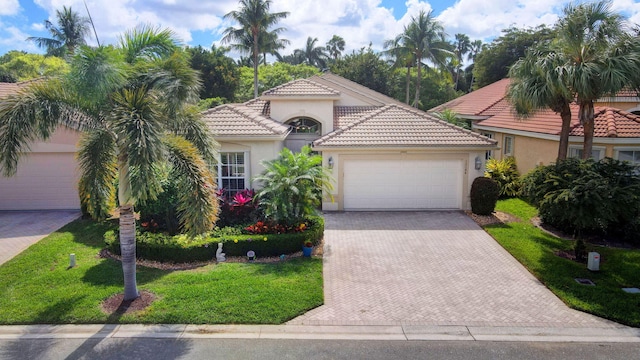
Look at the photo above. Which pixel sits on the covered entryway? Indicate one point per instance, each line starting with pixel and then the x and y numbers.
pixel 44 181
pixel 402 184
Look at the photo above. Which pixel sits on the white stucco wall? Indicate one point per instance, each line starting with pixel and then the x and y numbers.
pixel 255 151
pixel 319 110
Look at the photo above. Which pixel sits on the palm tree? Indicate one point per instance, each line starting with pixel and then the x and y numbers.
pixel 403 57
pixel 313 55
pixel 474 50
pixel 271 43
pixel 600 58
pixel 255 20
pixel 335 47
pixel 425 37
pixel 67 36
pixel 462 46
pixel 135 104
pixel 538 82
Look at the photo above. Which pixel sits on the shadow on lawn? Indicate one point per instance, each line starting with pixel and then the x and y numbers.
pixel 109 273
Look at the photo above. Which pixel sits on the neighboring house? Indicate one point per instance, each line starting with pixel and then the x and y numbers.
pixel 47 175
pixel 534 141
pixel 383 154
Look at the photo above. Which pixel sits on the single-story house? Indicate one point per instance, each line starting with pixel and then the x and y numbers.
pixel 47 176
pixel 383 154
pixel 534 141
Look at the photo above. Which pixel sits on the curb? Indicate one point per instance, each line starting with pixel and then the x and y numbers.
pixel 399 333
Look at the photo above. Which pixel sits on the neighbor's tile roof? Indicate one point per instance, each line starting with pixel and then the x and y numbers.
pixel 398 126
pixel 241 120
pixel 302 87
pixel 609 122
pixel 479 102
pixel 7 89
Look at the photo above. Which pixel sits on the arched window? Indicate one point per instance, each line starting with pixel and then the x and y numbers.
pixel 304 126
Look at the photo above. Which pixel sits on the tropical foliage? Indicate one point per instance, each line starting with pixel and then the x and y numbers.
pixel 505 173
pixel 270 76
pixel 134 104
pixel 292 186
pixel 67 36
pixel 21 66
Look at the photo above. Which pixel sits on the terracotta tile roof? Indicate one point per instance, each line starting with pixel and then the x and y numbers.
pixel 240 120
pixel 338 82
pixel 478 102
pixel 345 115
pixel 301 87
pixel 609 122
pixel 260 105
pixel 398 126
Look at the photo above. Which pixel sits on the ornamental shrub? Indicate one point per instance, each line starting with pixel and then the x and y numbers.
pixel 580 196
pixel 484 195
pixel 182 248
pixel 240 209
pixel 505 173
pixel 161 214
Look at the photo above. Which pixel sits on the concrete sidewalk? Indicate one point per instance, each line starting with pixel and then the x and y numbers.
pixel 399 333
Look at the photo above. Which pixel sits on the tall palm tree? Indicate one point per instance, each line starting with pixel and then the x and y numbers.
pixel 403 57
pixel 425 37
pixel 270 44
pixel 600 58
pixel 65 38
pixel 313 55
pixel 335 47
pixel 255 20
pixel 462 47
pixel 135 104
pixel 474 50
pixel 538 82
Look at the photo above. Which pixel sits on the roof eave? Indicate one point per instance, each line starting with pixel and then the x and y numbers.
pixel 300 97
pixel 405 148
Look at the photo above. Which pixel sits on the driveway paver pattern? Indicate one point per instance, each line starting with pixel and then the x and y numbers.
pixel 21 229
pixel 429 268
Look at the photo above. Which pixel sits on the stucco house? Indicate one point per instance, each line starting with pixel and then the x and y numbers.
pixel 47 175
pixel 383 154
pixel 534 141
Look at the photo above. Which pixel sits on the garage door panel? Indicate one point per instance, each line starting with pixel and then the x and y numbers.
pixel 43 181
pixel 402 184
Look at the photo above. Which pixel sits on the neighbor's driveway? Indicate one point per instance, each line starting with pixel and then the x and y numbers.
pixel 429 268
pixel 21 229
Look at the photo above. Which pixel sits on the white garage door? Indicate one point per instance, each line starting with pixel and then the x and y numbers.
pixel 402 184
pixel 43 181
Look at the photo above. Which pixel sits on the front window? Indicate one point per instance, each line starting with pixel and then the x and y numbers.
pixel 508 145
pixel 576 152
pixel 232 173
pixel 488 154
pixel 304 126
pixel 631 156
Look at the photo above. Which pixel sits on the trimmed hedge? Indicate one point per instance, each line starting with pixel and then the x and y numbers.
pixel 181 248
pixel 484 195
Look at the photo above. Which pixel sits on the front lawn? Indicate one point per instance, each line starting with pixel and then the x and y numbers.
pixel 37 287
pixel 536 249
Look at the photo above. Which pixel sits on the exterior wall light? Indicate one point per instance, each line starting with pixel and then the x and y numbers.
pixel 330 162
pixel 478 163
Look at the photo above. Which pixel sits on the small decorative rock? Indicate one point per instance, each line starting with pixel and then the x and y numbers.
pixel 220 256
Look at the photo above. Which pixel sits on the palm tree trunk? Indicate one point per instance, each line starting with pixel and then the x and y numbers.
pixel 418 79
pixel 408 84
pixel 128 251
pixel 565 115
pixel 255 65
pixel 586 117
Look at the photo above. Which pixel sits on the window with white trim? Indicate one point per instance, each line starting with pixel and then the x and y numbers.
pixel 508 146
pixel 631 156
pixel 488 154
pixel 575 151
pixel 231 172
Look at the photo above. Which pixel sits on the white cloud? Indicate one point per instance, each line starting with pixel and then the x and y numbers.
pixel 12 38
pixel 9 7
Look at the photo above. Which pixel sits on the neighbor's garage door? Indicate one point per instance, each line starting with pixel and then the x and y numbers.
pixel 43 181
pixel 402 184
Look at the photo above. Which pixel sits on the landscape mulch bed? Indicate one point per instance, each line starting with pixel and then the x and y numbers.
pixel 115 305
pixel 496 217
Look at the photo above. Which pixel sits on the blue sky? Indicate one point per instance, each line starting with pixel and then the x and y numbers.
pixel 359 22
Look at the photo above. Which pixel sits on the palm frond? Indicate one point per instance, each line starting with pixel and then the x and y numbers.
pixel 189 124
pixel 96 73
pixel 97 160
pixel 198 204
pixel 147 42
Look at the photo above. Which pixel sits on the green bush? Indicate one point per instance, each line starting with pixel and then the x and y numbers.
pixel 585 196
pixel 484 195
pixel 161 214
pixel 505 173
pixel 182 248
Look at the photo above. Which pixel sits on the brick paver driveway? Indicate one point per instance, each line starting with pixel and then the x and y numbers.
pixel 21 229
pixel 429 268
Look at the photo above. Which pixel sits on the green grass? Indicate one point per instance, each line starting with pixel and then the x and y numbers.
pixel 37 287
pixel 535 250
